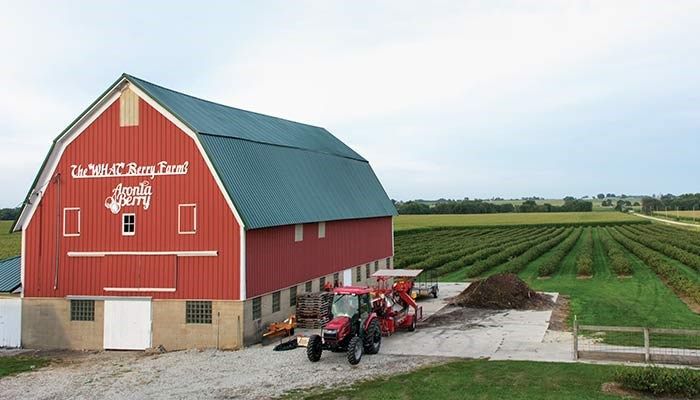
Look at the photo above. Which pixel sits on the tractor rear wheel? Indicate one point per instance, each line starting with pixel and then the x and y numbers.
pixel 373 338
pixel 314 348
pixel 355 350
pixel 413 324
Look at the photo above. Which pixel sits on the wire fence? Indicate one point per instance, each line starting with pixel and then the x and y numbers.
pixel 637 344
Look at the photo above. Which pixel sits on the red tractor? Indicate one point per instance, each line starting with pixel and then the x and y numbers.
pixel 355 327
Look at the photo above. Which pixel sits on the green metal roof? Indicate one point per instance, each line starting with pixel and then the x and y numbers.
pixel 10 274
pixel 278 172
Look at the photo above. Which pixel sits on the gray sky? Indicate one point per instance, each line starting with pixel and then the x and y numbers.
pixel 446 99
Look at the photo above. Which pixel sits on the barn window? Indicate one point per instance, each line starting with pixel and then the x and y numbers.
pixel 309 287
pixel 257 312
pixel 321 282
pixel 376 265
pixel 71 221
pixel 275 302
pixel 321 230
pixel 128 224
pixel 336 279
pixel 198 312
pixel 358 274
pixel 367 271
pixel 292 296
pixel 187 219
pixel 82 310
pixel 298 232
pixel 388 263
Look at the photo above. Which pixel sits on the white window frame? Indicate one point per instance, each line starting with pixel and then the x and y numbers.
pixel 321 230
pixel 298 232
pixel 65 234
pixel 128 233
pixel 194 220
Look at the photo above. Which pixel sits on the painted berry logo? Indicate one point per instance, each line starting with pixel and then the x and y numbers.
pixel 129 196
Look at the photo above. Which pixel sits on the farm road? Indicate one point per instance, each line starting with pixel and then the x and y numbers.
pixel 668 221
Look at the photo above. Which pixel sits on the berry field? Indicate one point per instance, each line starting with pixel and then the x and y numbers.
pixel 616 274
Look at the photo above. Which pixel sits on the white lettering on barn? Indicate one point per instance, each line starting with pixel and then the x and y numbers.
pixel 129 196
pixel 122 169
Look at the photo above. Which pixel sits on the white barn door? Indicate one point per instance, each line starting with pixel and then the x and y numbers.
pixel 347 277
pixel 127 324
pixel 10 322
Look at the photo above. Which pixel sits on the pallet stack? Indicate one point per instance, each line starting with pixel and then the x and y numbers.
pixel 314 309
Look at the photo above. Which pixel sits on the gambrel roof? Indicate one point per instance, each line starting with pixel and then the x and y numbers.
pixel 275 171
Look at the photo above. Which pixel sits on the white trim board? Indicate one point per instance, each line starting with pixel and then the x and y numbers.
pixel 64 221
pixel 117 289
pixel 202 253
pixel 179 219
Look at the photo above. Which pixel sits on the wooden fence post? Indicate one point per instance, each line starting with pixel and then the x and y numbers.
pixel 575 338
pixel 647 354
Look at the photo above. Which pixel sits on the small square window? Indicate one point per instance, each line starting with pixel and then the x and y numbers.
pixel 321 283
pixel 257 309
pixel 275 302
pixel 358 274
pixel 128 224
pixel 321 230
pixel 292 296
pixel 198 312
pixel 367 271
pixel 309 287
pixel 187 219
pixel 298 232
pixel 71 221
pixel 82 310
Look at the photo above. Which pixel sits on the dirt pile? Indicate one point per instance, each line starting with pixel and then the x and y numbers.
pixel 504 291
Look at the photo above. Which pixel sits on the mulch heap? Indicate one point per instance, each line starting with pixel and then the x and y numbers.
pixel 504 291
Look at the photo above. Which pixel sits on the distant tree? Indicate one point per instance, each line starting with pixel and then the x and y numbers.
pixel 9 214
pixel 609 195
pixel 636 204
pixel 569 198
pixel 651 204
pixel 413 207
pixel 606 203
pixel 600 196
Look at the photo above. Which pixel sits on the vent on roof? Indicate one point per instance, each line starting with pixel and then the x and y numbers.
pixel 128 108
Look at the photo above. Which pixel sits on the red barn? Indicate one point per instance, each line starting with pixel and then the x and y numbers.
pixel 160 218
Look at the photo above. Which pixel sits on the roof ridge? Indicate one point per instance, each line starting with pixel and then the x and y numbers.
pixel 283 145
pixel 220 104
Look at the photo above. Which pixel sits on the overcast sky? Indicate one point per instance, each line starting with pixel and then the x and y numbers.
pixel 446 99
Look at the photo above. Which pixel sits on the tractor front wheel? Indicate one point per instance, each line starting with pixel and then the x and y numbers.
pixel 373 338
pixel 413 324
pixel 314 348
pixel 355 350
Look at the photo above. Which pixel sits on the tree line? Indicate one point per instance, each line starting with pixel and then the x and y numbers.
pixel 467 206
pixel 683 202
pixel 9 214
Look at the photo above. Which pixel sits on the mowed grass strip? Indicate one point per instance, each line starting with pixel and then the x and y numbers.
pixel 403 222
pixel 9 243
pixel 480 379
pixel 10 365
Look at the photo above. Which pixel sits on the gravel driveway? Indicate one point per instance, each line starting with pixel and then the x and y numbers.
pixel 252 373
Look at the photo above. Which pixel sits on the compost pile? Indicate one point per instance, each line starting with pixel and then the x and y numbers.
pixel 504 291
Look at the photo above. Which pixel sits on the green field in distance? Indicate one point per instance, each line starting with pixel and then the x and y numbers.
pixel 402 222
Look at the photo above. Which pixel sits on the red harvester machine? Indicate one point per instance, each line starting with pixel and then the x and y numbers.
pixel 361 316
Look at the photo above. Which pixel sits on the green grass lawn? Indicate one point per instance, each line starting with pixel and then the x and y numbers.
pixel 16 364
pixel 9 243
pixel 480 379
pixel 402 222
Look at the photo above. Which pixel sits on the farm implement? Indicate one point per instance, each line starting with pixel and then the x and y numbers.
pixel 361 316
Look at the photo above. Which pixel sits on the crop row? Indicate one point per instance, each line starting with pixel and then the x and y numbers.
pixel 507 253
pixel 619 262
pixel 681 255
pixel 424 247
pixel 519 263
pixel 551 264
pixel 673 277
pixel 489 249
pixel 677 238
pixel 442 258
pixel 584 260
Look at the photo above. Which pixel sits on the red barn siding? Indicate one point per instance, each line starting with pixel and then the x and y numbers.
pixel 275 260
pixel 155 139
